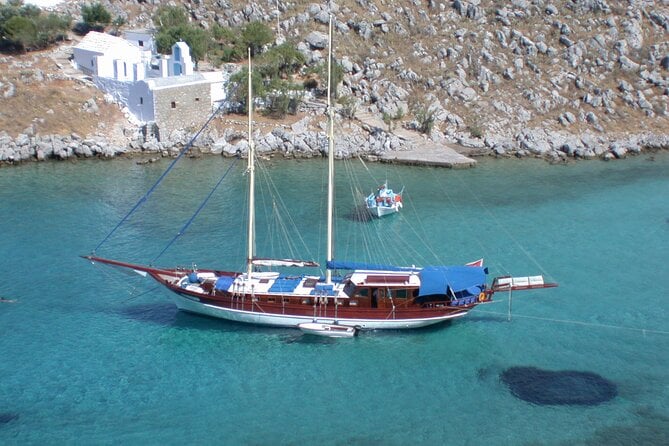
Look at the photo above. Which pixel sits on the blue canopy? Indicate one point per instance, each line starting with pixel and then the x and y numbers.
pixel 223 283
pixel 435 280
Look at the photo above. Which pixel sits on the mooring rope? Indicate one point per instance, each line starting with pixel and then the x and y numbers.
pixel 142 200
pixel 588 324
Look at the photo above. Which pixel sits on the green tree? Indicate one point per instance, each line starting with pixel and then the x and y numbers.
pixel 321 71
pixel 282 101
pixel 196 38
pixel 238 88
pixel 280 61
pixel 51 28
pixel 117 23
pixel 95 17
pixel 256 35
pixel 25 28
pixel 170 17
pixel 173 26
pixel 22 32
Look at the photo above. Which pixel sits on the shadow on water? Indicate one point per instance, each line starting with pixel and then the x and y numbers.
pixel 563 387
pixel 7 417
pixel 358 214
pixel 156 313
pixel 301 338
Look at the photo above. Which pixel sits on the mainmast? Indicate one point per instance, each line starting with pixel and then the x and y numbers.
pixel 330 111
pixel 251 171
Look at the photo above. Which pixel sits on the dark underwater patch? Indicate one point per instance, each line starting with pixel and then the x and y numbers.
pixel 6 417
pixel 563 387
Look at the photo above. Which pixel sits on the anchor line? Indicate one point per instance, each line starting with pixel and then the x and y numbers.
pixel 589 324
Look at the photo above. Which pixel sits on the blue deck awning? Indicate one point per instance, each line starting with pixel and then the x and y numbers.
pixel 435 280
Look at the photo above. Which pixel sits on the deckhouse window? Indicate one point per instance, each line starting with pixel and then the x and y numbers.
pixel 400 294
pixel 141 43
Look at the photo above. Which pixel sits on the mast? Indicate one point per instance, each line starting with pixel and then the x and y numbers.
pixel 330 241
pixel 251 171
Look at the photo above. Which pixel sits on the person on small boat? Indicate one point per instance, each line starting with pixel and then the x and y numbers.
pixel 383 196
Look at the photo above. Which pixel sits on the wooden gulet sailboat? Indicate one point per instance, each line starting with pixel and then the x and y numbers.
pixel 367 297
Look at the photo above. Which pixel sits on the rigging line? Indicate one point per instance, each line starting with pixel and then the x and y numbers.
pixel 589 324
pixel 508 233
pixel 367 169
pixel 160 179
pixel 197 212
pixel 141 294
pixel 458 210
pixel 281 214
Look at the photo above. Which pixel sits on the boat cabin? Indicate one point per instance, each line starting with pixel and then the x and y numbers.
pixel 381 289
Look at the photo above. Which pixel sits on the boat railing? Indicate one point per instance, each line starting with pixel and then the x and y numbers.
pixel 508 283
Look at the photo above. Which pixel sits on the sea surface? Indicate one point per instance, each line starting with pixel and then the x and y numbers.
pixel 89 355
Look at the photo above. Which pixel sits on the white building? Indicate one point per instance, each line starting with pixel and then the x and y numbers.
pixel 104 55
pixel 155 88
pixel 142 39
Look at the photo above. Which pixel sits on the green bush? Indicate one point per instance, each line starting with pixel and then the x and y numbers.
pixel 25 28
pixel 170 17
pixel 280 61
pixel 196 38
pixel 231 45
pixel 348 106
pixel 22 31
pixel 256 35
pixel 280 103
pixel 310 83
pixel 425 117
pixel 321 73
pixel 95 17
pixel 475 131
pixel 238 88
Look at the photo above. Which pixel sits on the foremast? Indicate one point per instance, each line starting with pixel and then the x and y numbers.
pixel 251 171
pixel 330 113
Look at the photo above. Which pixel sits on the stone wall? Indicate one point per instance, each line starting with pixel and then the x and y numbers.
pixel 185 107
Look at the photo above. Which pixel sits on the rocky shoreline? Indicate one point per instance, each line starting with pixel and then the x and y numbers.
pixel 302 141
pixel 559 80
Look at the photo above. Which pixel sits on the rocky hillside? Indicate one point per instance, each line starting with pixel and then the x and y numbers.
pixel 551 78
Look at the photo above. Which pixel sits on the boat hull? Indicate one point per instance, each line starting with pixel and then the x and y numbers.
pixel 382 211
pixel 192 305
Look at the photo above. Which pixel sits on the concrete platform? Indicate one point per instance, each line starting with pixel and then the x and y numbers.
pixel 422 151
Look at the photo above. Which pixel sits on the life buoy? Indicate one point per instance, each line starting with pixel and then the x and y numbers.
pixel 398 198
pixel 482 297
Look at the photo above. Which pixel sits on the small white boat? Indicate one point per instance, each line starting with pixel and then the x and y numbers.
pixel 329 330
pixel 384 201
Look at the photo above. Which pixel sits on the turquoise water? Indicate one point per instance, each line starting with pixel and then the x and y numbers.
pixel 93 356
